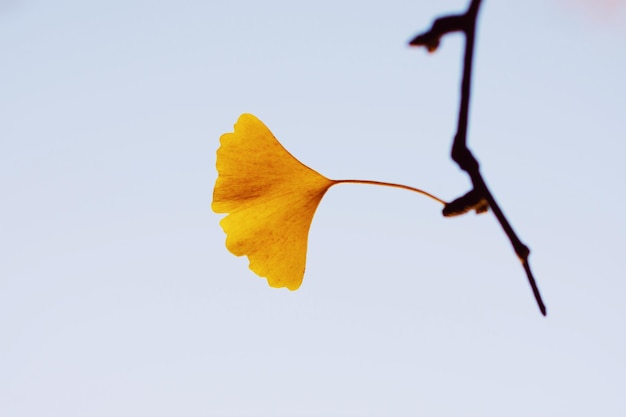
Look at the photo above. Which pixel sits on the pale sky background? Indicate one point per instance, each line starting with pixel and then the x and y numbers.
pixel 119 298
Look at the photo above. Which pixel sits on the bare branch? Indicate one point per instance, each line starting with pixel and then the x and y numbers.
pixel 479 198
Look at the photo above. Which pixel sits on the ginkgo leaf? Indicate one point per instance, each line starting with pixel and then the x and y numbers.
pixel 270 198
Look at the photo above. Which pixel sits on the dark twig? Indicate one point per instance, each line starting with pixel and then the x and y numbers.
pixel 479 198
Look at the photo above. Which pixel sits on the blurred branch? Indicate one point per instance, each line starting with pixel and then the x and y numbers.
pixel 479 198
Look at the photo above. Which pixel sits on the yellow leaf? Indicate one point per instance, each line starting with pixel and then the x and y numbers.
pixel 271 198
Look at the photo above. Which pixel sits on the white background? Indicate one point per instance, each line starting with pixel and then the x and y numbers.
pixel 119 298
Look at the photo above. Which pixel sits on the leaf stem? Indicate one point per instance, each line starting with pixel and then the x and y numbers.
pixel 393 185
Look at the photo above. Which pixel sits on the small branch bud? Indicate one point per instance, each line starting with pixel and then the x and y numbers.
pixel 440 27
pixel 473 200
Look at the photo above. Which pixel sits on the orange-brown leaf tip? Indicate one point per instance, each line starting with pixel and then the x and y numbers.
pixel 270 198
